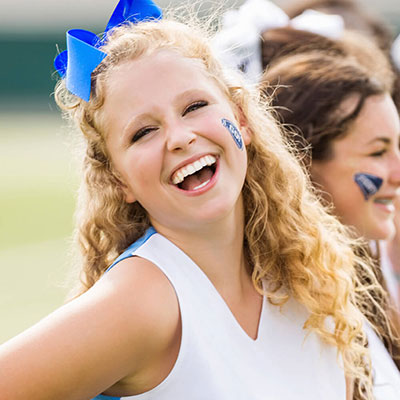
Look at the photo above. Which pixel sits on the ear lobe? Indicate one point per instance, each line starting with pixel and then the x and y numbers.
pixel 246 134
pixel 129 196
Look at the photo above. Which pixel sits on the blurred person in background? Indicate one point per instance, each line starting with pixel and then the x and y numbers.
pixel 341 114
pixel 357 18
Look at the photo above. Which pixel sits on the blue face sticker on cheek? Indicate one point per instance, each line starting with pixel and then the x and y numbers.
pixel 369 184
pixel 237 137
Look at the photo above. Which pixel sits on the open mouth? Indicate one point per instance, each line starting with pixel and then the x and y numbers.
pixel 385 203
pixel 196 175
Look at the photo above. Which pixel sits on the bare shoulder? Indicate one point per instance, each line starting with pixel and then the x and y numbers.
pixel 139 292
pixel 127 320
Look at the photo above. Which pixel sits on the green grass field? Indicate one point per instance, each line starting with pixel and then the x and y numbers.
pixel 37 186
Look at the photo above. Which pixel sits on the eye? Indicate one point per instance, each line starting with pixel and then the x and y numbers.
pixel 378 153
pixel 143 132
pixel 194 106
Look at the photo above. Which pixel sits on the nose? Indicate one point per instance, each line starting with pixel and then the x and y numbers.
pixel 179 136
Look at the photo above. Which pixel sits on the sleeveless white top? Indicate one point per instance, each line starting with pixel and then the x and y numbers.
pixel 386 376
pixel 387 270
pixel 389 274
pixel 219 361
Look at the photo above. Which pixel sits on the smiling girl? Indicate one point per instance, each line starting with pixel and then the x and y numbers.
pixel 341 114
pixel 232 281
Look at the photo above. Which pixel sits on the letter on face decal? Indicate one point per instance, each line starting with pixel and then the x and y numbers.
pixel 369 184
pixel 237 137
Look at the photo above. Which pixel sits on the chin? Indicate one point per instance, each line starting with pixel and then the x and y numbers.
pixel 218 211
pixel 383 232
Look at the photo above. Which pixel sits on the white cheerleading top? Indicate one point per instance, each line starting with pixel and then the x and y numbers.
pixel 218 361
pixel 385 374
pixel 389 274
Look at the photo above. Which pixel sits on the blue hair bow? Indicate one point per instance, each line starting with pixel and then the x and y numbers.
pixel 83 55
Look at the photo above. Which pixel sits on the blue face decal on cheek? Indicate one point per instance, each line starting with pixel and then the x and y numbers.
pixel 237 137
pixel 369 184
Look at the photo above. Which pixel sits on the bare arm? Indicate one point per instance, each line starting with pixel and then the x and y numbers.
pixel 113 331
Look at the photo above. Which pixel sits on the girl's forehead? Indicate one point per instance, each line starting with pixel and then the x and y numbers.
pixel 162 59
pixel 161 71
pixel 377 122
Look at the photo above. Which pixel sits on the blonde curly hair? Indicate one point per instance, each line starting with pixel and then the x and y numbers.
pixel 290 240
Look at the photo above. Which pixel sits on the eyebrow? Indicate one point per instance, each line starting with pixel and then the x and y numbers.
pixel 134 120
pixel 192 92
pixel 380 139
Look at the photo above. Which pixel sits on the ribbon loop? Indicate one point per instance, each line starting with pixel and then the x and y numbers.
pixel 395 52
pixel 133 11
pixel 328 25
pixel 237 44
pixel 83 55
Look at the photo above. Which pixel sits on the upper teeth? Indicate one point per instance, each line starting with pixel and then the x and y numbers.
pixel 192 168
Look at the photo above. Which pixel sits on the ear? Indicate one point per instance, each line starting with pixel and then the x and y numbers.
pixel 243 126
pixel 129 196
pixel 246 134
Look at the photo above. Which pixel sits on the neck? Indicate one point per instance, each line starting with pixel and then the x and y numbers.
pixel 217 248
pixel 393 249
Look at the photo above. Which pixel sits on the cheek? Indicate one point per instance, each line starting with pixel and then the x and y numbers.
pixel 335 180
pixel 142 167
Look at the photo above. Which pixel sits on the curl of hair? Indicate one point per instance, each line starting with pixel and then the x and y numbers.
pixel 290 239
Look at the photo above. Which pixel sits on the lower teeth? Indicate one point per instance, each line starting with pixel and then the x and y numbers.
pixel 202 185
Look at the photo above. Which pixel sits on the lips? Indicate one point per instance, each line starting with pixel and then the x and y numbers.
pixel 385 203
pixel 195 174
pixel 191 168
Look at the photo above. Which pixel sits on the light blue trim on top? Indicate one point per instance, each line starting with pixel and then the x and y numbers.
pixel 104 397
pixel 134 246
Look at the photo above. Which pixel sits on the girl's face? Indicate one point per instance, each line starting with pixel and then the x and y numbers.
pixel 371 146
pixel 167 136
